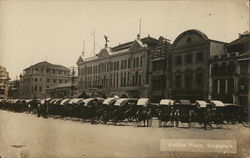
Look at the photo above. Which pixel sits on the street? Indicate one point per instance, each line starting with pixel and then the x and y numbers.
pixel 27 136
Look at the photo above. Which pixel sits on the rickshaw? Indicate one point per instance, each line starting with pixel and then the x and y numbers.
pixel 165 112
pixel 103 112
pixel 200 112
pixel 184 113
pixel 231 113
pixel 122 110
pixel 144 112
pixel 217 108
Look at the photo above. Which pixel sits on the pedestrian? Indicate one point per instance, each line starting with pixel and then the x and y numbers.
pixel 93 110
pixel 207 119
pixel 39 109
pixel 45 109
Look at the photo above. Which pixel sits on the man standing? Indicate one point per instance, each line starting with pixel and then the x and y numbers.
pixel 45 109
pixel 207 124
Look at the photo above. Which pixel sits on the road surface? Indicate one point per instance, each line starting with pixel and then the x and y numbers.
pixel 27 136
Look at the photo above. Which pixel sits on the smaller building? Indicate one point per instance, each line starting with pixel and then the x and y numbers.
pixel 4 82
pixel 66 90
pixel 230 72
pixel 14 89
pixel 38 77
pixel 190 64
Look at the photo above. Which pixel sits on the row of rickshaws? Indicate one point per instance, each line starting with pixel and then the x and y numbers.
pixel 179 113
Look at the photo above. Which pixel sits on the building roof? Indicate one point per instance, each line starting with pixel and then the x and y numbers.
pixel 201 34
pixel 241 40
pixel 129 44
pixel 47 64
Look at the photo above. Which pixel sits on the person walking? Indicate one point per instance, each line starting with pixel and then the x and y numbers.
pixel 208 115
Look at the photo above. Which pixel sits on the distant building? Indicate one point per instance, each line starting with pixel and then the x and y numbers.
pixel 40 76
pixel 230 72
pixel 4 83
pixel 65 90
pixel 121 70
pixel 190 64
pixel 14 89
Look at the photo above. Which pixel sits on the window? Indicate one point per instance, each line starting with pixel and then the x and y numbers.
pixel 139 80
pixel 137 62
pixel 178 60
pixel 40 89
pixel 128 79
pixel 188 59
pixel 244 67
pixel 215 86
pixel 222 86
pixel 125 64
pixel 188 81
pixel 36 69
pixel 35 79
pixel 141 62
pixel 47 80
pixel 230 84
pixel 133 80
pixel 54 81
pixel 199 57
pixel 122 64
pixel 199 79
pixel 60 81
pixel 35 88
pixel 129 63
pixel 118 66
pixel 178 81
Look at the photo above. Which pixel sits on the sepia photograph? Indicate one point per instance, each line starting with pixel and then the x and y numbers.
pixel 124 79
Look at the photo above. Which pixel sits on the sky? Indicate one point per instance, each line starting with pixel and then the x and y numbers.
pixel 32 31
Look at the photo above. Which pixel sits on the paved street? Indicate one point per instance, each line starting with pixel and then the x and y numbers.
pixel 26 136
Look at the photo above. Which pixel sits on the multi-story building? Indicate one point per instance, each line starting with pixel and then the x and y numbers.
pixel 230 72
pixel 120 70
pixel 40 76
pixel 14 89
pixel 4 82
pixel 190 64
pixel 160 81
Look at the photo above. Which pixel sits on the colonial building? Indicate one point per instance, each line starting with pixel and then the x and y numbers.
pixel 190 64
pixel 159 72
pixel 230 72
pixel 40 76
pixel 120 70
pixel 4 83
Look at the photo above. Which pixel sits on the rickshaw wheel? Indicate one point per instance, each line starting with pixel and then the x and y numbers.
pixel 191 124
pixel 246 124
pixel 233 122
pixel 219 125
pixel 130 118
